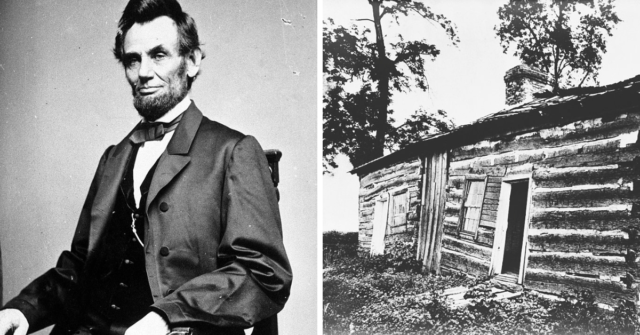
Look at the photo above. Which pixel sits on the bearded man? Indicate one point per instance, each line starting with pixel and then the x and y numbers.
pixel 180 231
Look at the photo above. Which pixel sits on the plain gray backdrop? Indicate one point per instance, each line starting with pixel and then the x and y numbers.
pixel 64 99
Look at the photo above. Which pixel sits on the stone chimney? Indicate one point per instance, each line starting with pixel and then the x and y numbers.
pixel 522 82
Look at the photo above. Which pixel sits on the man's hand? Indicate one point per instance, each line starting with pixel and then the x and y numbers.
pixel 13 319
pixel 151 324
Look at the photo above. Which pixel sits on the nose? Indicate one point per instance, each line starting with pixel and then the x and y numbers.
pixel 145 72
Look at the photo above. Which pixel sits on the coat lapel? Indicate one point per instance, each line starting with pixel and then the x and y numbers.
pixel 176 157
pixel 105 198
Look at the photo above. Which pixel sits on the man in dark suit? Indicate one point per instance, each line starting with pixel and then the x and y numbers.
pixel 180 230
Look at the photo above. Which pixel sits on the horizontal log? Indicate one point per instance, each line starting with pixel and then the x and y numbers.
pixel 518 169
pixel 467 248
pixel 469 265
pixel 597 220
pixel 450 229
pixel 584 198
pixel 489 171
pixel 455 194
pixel 412 165
pixel 452 208
pixel 551 137
pixel 397 230
pixel 456 182
pixel 615 266
pixel 624 155
pixel 485 235
pixel 581 176
pixel 367 211
pixel 364 238
pixel 609 292
pixel 578 242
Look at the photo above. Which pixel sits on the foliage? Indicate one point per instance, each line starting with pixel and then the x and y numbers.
pixel 564 38
pixel 371 301
pixel 356 121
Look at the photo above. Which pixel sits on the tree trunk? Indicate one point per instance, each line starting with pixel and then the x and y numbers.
pixel 382 71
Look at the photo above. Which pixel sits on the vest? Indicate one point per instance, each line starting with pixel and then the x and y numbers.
pixel 120 293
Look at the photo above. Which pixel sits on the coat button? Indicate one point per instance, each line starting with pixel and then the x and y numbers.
pixel 164 206
pixel 164 251
pixel 128 262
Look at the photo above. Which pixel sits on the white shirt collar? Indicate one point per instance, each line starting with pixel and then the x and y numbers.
pixel 175 111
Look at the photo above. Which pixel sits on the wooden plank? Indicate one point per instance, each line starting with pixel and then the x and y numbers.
pixel 469 265
pixel 440 221
pixel 467 248
pixel 577 198
pixel 485 223
pixel 497 180
pixel 492 195
pixel 598 220
pixel 545 177
pixel 578 242
pixel 553 282
pixel 492 188
pixel 490 207
pixel 489 215
pixel 423 220
pixel 491 201
pixel 579 263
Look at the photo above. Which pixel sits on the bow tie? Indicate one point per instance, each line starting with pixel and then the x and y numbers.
pixel 153 131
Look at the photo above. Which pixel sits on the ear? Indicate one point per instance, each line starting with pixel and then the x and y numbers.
pixel 193 63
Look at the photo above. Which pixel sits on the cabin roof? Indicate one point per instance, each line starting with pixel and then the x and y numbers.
pixel 546 110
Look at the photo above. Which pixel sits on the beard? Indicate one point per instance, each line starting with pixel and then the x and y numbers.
pixel 154 107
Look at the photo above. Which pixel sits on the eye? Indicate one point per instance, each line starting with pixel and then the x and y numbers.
pixel 131 62
pixel 159 56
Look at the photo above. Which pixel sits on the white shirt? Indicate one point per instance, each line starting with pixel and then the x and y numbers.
pixel 150 151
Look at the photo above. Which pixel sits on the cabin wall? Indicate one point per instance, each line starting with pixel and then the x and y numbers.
pixel 400 178
pixel 584 220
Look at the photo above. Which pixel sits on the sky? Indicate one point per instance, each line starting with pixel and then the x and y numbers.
pixel 466 81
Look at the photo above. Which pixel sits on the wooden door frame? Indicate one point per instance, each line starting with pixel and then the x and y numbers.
pixel 497 255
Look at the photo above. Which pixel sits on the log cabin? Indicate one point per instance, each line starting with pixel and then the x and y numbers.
pixel 543 194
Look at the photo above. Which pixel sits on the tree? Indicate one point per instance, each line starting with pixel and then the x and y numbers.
pixel 564 38
pixel 357 122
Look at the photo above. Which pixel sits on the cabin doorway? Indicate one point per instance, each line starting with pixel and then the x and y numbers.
pixel 515 228
pixel 509 256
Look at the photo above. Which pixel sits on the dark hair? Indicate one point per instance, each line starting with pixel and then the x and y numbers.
pixel 141 11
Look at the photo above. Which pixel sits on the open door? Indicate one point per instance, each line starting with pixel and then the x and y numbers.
pixel 510 243
pixel 380 214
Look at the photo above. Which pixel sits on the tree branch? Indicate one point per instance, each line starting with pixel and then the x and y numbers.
pixel 363 20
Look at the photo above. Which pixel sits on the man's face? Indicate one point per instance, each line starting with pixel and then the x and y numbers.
pixel 154 68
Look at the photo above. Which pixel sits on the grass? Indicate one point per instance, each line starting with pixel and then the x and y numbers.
pixel 388 295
